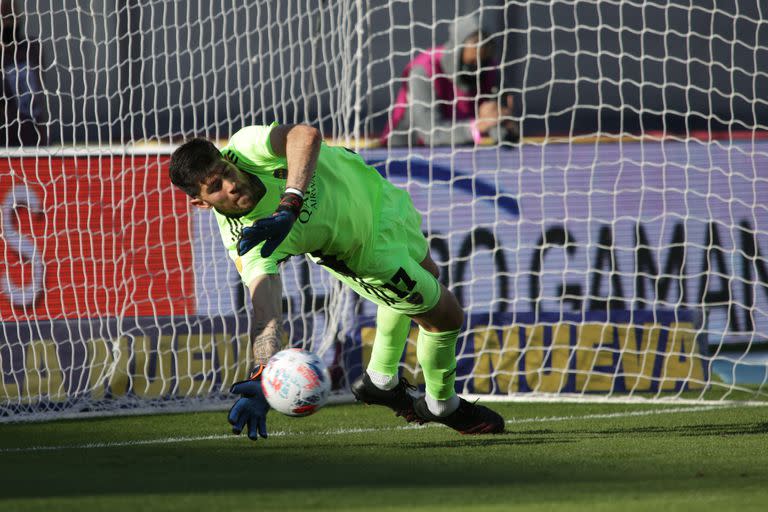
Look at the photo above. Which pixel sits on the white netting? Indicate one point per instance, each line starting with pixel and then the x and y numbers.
pixel 620 250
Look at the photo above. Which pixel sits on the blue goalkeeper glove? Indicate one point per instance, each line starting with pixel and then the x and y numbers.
pixel 272 230
pixel 251 408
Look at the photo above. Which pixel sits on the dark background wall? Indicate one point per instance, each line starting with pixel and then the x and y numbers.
pixel 131 70
pixel 642 65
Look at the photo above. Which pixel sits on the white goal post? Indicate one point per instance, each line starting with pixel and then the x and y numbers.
pixel 619 251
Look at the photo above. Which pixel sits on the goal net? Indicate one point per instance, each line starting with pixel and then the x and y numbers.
pixel 618 251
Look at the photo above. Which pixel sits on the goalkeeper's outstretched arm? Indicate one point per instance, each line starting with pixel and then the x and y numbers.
pixel 251 408
pixel 266 297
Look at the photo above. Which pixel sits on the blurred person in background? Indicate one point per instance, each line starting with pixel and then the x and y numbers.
pixel 23 103
pixel 451 94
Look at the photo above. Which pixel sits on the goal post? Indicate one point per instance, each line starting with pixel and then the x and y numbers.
pixel 620 251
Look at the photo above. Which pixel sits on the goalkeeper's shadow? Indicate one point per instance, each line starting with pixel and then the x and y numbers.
pixel 691 430
pixel 493 440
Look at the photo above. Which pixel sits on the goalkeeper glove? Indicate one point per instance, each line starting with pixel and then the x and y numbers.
pixel 250 408
pixel 271 230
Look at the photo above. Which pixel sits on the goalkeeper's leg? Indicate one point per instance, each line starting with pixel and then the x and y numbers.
pixel 392 330
pixel 401 274
pixel 380 385
pixel 436 352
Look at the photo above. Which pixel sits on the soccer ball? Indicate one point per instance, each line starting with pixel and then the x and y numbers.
pixel 296 382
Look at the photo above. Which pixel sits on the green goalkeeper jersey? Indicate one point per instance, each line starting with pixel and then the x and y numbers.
pixel 340 215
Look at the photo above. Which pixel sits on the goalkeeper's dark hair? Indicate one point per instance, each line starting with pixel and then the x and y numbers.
pixel 191 163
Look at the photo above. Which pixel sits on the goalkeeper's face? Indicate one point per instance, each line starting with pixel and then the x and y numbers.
pixel 229 190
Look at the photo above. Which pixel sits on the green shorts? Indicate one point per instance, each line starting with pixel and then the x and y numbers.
pixel 391 274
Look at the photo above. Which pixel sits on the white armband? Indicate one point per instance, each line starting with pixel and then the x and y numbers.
pixel 291 190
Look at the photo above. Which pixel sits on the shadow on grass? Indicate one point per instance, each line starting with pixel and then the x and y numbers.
pixel 499 440
pixel 431 459
pixel 233 466
pixel 507 439
pixel 723 429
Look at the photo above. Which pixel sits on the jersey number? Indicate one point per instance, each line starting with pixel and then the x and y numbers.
pixel 401 276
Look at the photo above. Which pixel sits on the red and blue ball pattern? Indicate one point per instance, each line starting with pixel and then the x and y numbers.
pixel 296 382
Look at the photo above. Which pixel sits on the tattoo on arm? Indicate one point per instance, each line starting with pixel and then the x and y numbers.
pixel 267 334
pixel 266 341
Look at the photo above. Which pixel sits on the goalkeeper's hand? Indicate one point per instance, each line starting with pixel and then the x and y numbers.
pixel 251 408
pixel 272 230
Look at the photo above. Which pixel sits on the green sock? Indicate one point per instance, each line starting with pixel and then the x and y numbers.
pixel 436 352
pixel 392 330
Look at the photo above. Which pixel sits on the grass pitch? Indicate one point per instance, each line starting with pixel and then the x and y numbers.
pixel 353 457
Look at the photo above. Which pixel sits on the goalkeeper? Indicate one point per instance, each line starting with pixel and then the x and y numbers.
pixel 279 191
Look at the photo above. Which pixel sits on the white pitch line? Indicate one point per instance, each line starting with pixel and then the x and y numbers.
pixel 115 444
pixel 344 431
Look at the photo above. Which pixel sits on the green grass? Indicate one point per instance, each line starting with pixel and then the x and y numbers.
pixel 553 457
